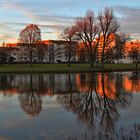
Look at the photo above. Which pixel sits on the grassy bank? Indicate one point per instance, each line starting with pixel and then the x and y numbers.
pixel 62 68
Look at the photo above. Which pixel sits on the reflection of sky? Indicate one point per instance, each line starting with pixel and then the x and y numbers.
pixel 53 122
pixel 53 15
pixel 132 111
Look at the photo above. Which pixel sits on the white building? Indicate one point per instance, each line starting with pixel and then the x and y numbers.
pixel 52 52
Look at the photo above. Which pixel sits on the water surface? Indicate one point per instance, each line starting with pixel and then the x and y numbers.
pixel 82 106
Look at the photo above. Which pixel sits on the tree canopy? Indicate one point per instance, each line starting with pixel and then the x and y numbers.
pixel 31 34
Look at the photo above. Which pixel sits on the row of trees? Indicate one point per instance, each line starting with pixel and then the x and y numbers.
pixel 93 32
pixel 97 34
pixel 100 35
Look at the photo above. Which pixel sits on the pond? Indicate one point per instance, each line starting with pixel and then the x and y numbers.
pixel 79 106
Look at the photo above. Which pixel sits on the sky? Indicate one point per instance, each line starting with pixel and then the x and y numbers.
pixel 52 16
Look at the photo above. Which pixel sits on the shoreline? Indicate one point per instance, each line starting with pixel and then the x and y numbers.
pixel 63 68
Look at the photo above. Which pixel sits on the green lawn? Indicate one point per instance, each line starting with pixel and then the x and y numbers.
pixel 61 68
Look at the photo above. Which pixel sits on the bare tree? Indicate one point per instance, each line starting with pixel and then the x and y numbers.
pixel 51 53
pixel 70 49
pixel 120 40
pixel 82 55
pixel 109 55
pixel 89 33
pixel 109 26
pixel 42 50
pixel 29 36
pixel 116 50
pixel 3 44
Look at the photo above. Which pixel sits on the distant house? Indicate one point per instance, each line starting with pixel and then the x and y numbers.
pixel 7 54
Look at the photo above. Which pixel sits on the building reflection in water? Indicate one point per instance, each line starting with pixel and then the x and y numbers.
pixel 97 105
pixel 95 98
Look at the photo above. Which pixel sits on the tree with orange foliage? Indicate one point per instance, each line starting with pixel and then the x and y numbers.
pixel 88 32
pixel 135 55
pixel 29 37
pixel 109 26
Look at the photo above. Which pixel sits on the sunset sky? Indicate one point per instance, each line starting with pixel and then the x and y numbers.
pixel 52 16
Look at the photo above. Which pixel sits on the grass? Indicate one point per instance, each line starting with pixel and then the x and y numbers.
pixel 62 68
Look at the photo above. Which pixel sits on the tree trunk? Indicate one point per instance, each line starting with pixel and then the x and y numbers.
pixel 136 64
pixel 103 53
pixel 117 60
pixel 102 59
pixel 91 65
pixel 68 62
pixel 31 64
pixel 91 59
pixel 70 87
pixel 102 64
pixel 69 58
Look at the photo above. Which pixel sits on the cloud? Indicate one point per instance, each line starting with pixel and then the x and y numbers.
pixel 18 7
pixel 3 138
pixel 8 32
pixel 3 37
pixel 47 21
pixel 129 20
pixel 53 16
pixel 8 38
pixel 63 19
pixel 34 14
pixel 56 27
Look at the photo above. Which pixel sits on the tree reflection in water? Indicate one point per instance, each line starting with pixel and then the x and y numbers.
pixel 5 84
pixel 98 108
pixel 30 100
pixel 95 100
pixel 135 81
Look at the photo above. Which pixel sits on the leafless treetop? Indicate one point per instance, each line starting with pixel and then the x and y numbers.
pixel 30 34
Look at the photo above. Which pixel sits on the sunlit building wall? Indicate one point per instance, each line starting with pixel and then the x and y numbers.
pixel 54 51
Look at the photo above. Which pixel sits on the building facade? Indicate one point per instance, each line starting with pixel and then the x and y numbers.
pixel 56 51
pixel 50 51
